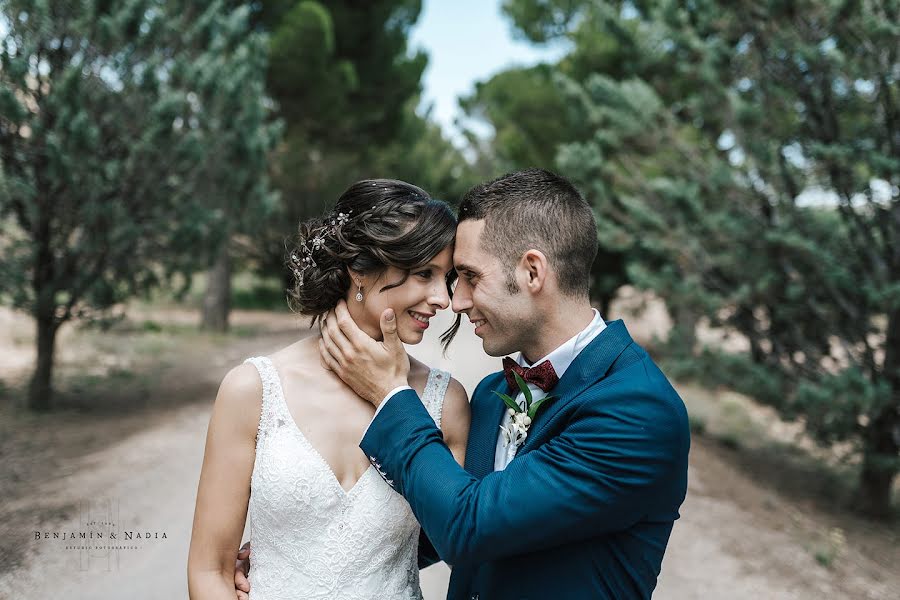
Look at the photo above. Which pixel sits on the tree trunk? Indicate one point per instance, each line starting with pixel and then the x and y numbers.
pixel 684 329
pixel 881 443
pixel 217 300
pixel 40 391
pixel 879 465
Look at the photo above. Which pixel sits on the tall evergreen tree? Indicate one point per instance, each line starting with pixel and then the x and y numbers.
pixel 343 80
pixel 530 118
pixel 774 129
pixel 112 142
pixel 237 182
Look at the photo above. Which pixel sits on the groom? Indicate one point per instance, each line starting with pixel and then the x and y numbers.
pixel 573 499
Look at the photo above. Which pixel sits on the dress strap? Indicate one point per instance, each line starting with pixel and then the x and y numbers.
pixel 433 395
pixel 269 377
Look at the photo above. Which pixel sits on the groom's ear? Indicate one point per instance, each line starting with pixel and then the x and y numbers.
pixel 536 269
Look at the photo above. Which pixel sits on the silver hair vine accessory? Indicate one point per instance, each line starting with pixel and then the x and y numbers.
pixel 304 260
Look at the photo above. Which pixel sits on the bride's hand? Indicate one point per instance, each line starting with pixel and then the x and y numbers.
pixel 370 368
pixel 241 571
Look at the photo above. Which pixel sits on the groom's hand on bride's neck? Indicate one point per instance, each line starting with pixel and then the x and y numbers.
pixel 370 368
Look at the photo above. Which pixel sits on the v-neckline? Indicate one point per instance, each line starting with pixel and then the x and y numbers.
pixel 345 493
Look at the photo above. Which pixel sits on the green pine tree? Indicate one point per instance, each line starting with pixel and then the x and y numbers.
pixel 113 142
pixel 346 85
pixel 748 159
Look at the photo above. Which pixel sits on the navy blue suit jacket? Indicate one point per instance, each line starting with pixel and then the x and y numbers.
pixel 585 508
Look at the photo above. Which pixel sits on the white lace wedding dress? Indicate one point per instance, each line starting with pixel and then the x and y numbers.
pixel 310 537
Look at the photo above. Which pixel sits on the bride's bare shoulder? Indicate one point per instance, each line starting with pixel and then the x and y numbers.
pixel 239 402
pixel 242 380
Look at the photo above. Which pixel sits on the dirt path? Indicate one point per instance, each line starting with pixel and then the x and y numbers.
pixel 736 539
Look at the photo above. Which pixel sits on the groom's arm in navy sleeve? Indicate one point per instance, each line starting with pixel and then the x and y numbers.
pixel 620 456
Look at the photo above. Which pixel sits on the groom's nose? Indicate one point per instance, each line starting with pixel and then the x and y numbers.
pixel 462 299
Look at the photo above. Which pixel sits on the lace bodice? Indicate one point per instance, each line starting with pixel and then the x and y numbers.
pixel 310 537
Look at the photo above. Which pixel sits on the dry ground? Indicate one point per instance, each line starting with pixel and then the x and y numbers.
pixel 128 441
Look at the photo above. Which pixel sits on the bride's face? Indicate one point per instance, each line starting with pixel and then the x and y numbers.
pixel 414 302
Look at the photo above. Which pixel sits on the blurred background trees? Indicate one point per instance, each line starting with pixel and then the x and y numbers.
pixel 745 158
pixel 742 159
pixel 121 125
pixel 347 87
pixel 147 140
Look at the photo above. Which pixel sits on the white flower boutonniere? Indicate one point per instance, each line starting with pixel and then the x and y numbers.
pixel 522 418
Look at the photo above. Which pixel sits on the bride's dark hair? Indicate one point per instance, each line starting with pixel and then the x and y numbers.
pixel 376 223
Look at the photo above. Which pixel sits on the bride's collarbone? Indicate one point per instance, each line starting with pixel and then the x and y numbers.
pixel 333 424
pixel 327 402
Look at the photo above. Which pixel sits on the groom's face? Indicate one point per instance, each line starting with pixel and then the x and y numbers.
pixel 487 292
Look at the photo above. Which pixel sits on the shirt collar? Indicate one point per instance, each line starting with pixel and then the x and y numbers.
pixel 565 354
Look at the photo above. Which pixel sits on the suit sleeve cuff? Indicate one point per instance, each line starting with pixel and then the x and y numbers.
pixel 390 395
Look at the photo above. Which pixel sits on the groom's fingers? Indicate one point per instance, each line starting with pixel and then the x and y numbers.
pixel 339 345
pixel 347 326
pixel 336 345
pixel 323 352
pixel 327 348
pixel 328 361
pixel 323 333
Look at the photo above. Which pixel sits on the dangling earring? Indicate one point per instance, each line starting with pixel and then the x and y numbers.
pixel 359 296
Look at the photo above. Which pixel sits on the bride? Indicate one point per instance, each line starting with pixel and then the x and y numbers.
pixel 283 439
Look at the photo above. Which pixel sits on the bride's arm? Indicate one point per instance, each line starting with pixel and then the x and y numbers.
pixel 224 490
pixel 455 420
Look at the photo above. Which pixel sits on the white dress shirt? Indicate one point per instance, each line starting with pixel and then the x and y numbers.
pixel 560 358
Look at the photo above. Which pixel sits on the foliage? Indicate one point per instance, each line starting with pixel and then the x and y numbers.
pixel 347 87
pixel 420 154
pixel 121 125
pixel 531 117
pixel 747 159
pixel 516 103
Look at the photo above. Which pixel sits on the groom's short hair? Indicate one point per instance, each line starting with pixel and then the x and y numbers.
pixel 536 208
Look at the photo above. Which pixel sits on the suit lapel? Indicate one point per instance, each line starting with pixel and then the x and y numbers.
pixel 485 426
pixel 590 366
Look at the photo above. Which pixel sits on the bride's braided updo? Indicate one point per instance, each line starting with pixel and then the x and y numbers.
pixel 375 224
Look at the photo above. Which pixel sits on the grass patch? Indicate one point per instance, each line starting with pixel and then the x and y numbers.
pixel 150 326
pixel 722 416
pixel 729 439
pixel 697 424
pixel 829 547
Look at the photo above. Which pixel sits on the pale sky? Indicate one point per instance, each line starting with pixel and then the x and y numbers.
pixel 467 41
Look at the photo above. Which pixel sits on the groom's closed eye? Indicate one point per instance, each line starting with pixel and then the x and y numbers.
pixel 467 271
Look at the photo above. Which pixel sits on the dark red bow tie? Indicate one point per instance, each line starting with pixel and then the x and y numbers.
pixel 542 375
